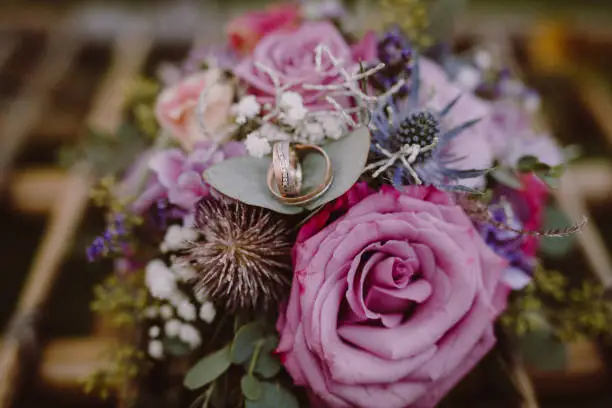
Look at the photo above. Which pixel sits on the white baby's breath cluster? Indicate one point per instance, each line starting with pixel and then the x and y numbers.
pixel 288 119
pixel 175 313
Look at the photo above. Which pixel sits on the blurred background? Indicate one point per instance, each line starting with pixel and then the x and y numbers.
pixel 65 67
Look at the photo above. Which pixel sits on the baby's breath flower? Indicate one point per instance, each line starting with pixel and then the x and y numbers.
pixel 160 280
pixel 208 312
pixel 166 312
pixel 187 311
pixel 177 237
pixel 256 145
pixel 172 327
pixel 190 335
pixel 247 108
pixel 154 331
pixel 156 349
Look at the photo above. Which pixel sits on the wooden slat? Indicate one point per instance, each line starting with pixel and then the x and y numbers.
pixel 36 190
pixel 130 52
pixel 23 113
pixel 7 46
pixel 596 93
pixel 594 179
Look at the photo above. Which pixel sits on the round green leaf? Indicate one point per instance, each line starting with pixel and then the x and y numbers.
pixel 251 387
pixel 176 347
pixel 274 396
pixel 245 178
pixel 507 178
pixel 267 365
pixel 208 369
pixel 244 342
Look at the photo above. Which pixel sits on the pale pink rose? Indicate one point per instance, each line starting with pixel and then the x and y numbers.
pixel 176 107
pixel 292 56
pixel 474 145
pixel 245 31
pixel 391 304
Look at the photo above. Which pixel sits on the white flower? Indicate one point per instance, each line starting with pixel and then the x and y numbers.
pixel 190 335
pixel 468 77
pixel 156 349
pixel 159 279
pixel 166 312
pixel 333 126
pixel 246 108
pixel 154 331
pixel 176 237
pixel 201 296
pixel 313 131
pixel 172 327
pixel 151 312
pixel 208 312
pixel 187 311
pixel 184 272
pixel 483 59
pixel 256 145
pixel 291 100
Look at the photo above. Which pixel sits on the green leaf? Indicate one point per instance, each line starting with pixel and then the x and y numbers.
pixel 251 387
pixel 268 365
pixel 542 350
pixel 527 163
pixel 245 178
pixel 244 342
pixel 176 347
pixel 274 396
pixel 507 178
pixel 556 247
pixel 208 369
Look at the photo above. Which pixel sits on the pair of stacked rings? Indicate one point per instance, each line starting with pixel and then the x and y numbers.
pixel 285 174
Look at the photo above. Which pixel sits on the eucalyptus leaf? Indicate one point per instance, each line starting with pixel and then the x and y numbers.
pixel 507 178
pixel 274 396
pixel 268 365
pixel 176 347
pixel 244 342
pixel 208 369
pixel 251 387
pixel 245 178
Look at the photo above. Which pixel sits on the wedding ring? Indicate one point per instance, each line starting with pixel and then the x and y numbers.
pixel 310 196
pixel 287 169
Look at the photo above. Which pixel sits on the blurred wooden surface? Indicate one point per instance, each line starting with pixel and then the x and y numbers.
pixel 46 190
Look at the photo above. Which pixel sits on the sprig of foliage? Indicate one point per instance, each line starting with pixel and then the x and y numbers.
pixel 124 364
pixel 573 312
pixel 141 103
pixel 121 300
pixel 251 350
pixel 411 16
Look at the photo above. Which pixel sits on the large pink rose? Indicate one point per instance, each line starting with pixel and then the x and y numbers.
pixel 392 303
pixel 245 31
pixel 176 108
pixel 292 56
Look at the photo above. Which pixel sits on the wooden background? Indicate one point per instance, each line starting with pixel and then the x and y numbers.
pixel 65 68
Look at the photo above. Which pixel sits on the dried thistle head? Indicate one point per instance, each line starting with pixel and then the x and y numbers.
pixel 243 256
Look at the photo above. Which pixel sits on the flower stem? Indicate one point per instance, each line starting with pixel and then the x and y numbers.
pixel 255 356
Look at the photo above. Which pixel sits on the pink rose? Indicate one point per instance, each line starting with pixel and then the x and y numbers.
pixel 176 107
pixel 392 303
pixel 245 31
pixel 292 56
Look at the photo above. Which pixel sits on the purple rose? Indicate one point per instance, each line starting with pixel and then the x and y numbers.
pixel 178 175
pixel 392 303
pixel 291 54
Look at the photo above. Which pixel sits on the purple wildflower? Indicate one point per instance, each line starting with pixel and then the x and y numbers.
pixel 395 52
pixel 508 245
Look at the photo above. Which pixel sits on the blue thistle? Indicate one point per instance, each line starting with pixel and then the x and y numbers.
pixel 394 126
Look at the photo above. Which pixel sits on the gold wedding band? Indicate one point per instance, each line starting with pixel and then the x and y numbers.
pixel 273 178
pixel 287 169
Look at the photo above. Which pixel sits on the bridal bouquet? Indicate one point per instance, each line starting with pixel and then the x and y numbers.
pixel 322 218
